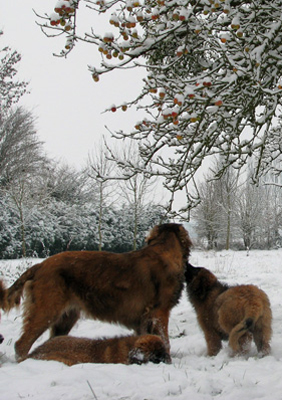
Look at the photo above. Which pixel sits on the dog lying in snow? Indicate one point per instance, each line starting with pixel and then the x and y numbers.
pixel 125 350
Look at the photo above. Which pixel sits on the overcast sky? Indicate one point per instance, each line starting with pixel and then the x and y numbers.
pixel 68 104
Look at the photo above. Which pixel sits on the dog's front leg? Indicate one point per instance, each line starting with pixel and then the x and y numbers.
pixel 213 340
pixel 159 326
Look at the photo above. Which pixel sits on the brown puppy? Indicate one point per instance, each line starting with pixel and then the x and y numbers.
pixel 238 313
pixel 123 350
pixel 136 289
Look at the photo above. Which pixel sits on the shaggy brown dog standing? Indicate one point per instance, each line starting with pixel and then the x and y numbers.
pixel 238 313
pixel 136 289
pixel 124 350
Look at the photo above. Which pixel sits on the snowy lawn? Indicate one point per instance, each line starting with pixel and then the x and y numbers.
pixel 191 376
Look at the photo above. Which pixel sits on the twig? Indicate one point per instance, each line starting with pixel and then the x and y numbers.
pixel 94 395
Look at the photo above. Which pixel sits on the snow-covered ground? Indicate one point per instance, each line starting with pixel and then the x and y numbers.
pixel 191 376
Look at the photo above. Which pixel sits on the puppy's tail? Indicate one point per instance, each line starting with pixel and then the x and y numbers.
pixel 246 325
pixel 241 329
pixel 11 297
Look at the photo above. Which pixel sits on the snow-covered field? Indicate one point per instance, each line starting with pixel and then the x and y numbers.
pixel 191 376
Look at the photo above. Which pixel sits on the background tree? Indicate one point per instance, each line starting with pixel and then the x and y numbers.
pixel 65 183
pixel 248 212
pixel 227 192
pixel 235 212
pixel 207 213
pixel 20 148
pixel 213 82
pixel 136 191
pixel 21 160
pixel 10 89
pixel 99 170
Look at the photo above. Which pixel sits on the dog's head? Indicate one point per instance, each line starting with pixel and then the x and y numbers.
pixel 199 281
pixel 149 348
pixel 161 232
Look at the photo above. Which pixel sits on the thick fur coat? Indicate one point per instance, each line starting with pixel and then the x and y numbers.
pixel 238 313
pixel 136 289
pixel 123 350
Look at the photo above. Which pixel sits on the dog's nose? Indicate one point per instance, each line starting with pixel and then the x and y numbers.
pixel 1 338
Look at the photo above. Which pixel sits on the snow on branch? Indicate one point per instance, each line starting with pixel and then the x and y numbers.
pixel 214 77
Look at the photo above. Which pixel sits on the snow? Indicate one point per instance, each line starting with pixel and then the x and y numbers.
pixel 192 375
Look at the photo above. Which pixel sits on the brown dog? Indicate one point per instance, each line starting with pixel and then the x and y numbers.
pixel 238 313
pixel 136 289
pixel 123 350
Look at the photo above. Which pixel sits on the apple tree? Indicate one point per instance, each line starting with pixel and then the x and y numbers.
pixel 213 81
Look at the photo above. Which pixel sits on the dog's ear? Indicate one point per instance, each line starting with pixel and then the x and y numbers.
pixel 190 272
pixel 185 241
pixel 152 234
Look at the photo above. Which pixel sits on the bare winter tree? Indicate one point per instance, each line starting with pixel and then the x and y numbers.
pixel 22 163
pixel 228 186
pixel 215 215
pixel 138 190
pixel 270 221
pixel 20 149
pixel 207 214
pixel 100 170
pixel 214 77
pixel 249 209
pixel 10 89
pixel 65 183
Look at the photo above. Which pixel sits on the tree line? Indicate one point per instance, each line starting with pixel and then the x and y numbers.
pixel 48 207
pixel 235 213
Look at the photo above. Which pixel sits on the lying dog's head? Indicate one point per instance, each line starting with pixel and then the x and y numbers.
pixel 199 281
pixel 149 348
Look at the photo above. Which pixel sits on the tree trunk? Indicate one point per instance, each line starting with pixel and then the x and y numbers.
pixel 23 233
pixel 100 218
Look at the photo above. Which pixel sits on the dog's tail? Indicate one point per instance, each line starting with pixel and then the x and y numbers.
pixel 241 329
pixel 256 324
pixel 11 297
pixel 246 325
